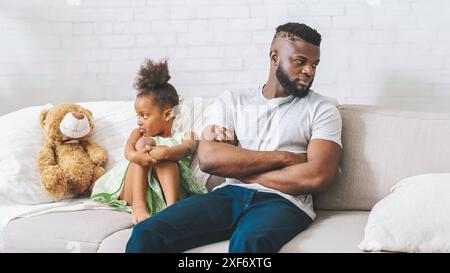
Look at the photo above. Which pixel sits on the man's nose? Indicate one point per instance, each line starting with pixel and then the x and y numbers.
pixel 307 69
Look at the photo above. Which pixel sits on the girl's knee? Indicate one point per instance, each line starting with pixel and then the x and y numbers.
pixel 143 141
pixel 166 165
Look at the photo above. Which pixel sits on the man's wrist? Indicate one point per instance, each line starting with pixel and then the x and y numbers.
pixel 290 159
pixel 286 158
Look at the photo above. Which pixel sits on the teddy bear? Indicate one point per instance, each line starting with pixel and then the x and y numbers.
pixel 69 162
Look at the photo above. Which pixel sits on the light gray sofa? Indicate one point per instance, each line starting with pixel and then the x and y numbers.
pixel 381 147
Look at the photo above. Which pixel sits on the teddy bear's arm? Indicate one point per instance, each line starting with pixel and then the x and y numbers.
pixel 46 156
pixel 97 154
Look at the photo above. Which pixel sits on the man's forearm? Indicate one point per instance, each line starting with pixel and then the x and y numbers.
pixel 230 161
pixel 294 180
pixel 304 178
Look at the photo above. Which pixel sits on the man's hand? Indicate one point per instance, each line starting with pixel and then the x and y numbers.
pixel 225 136
pixel 219 134
pixel 294 159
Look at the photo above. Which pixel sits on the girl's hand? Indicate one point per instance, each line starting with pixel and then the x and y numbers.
pixel 143 157
pixel 160 152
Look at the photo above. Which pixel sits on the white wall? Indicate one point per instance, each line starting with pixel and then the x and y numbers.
pixel 385 52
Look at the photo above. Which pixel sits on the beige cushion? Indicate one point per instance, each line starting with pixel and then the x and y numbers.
pixel 332 231
pixel 381 147
pixel 116 242
pixel 77 231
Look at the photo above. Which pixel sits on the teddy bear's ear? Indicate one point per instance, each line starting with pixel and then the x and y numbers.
pixel 89 115
pixel 42 117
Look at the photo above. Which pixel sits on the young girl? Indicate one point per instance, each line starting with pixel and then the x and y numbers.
pixel 158 173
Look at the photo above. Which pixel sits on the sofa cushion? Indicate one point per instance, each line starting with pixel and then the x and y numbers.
pixel 116 242
pixel 76 231
pixel 381 147
pixel 332 231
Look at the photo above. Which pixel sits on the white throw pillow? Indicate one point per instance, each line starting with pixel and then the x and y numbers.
pixel 20 141
pixel 414 217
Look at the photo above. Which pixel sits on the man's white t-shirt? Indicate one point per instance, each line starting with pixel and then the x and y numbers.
pixel 278 124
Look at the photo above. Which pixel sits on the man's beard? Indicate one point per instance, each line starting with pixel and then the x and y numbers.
pixel 290 86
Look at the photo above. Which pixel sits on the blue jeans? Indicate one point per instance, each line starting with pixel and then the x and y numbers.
pixel 253 221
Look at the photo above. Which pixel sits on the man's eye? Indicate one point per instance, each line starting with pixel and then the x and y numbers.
pixel 315 65
pixel 300 62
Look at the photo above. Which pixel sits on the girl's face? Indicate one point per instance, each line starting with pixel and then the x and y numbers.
pixel 152 120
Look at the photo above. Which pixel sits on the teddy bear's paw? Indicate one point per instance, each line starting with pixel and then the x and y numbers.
pixel 56 190
pixel 53 181
pixel 100 160
pixel 98 172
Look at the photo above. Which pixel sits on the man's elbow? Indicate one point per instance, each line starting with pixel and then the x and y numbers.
pixel 321 182
pixel 204 166
pixel 204 156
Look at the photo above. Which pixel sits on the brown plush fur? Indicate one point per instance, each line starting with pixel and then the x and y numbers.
pixel 68 168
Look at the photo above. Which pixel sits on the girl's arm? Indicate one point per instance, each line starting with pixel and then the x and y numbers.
pixel 130 150
pixel 139 157
pixel 176 152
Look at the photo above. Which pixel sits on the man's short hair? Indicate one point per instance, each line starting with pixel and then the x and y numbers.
pixel 299 30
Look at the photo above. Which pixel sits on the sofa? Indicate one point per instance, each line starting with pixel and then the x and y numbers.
pixel 380 147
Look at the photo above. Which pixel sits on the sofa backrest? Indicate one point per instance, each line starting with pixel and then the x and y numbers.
pixel 380 147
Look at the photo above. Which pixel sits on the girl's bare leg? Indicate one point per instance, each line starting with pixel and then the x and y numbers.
pixel 134 191
pixel 168 175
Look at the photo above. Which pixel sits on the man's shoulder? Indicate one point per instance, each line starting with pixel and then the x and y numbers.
pixel 314 97
pixel 323 106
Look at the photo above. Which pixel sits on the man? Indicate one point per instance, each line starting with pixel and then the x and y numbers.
pixel 277 144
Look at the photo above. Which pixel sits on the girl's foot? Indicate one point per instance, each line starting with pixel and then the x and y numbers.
pixel 139 215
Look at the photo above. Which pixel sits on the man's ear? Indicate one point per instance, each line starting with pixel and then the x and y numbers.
pixel 168 114
pixel 42 117
pixel 274 57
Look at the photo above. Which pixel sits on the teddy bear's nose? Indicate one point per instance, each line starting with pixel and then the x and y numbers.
pixel 77 115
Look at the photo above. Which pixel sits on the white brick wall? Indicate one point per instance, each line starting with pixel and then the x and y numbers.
pixel 384 52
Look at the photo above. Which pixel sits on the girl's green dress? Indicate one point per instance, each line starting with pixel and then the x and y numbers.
pixel 108 187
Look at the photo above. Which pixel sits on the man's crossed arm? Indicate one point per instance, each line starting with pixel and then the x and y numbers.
pixel 294 174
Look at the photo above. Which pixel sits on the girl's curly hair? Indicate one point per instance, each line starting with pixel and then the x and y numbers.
pixel 153 79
